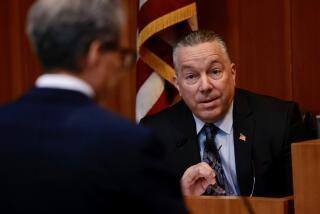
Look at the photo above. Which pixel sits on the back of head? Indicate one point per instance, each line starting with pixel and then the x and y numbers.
pixel 198 37
pixel 61 31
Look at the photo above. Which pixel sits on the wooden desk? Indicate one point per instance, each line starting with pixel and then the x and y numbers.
pixel 239 205
pixel 306 176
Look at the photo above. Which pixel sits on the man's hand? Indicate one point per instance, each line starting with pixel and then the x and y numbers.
pixel 196 179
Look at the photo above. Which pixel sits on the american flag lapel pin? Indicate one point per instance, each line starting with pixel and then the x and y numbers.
pixel 242 137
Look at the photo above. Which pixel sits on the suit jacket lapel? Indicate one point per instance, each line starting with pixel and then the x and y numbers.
pixel 243 125
pixel 187 144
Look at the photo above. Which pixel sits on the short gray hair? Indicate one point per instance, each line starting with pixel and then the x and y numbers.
pixel 198 37
pixel 61 31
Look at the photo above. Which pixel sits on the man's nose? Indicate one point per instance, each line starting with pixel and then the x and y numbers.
pixel 205 84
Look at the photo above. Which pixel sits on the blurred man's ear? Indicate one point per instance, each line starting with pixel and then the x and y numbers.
pixel 94 54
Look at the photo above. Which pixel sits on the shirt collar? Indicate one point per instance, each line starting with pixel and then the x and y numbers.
pixel 225 124
pixel 64 81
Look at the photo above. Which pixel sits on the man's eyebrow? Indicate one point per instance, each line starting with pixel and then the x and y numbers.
pixel 187 67
pixel 215 62
pixel 192 67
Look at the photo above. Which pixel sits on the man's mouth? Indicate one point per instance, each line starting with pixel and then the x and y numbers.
pixel 208 103
pixel 208 100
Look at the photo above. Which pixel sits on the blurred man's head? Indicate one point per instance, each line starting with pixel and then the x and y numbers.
pixel 205 75
pixel 79 37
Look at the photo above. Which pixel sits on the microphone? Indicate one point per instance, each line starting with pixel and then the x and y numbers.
pixel 254 178
pixel 246 200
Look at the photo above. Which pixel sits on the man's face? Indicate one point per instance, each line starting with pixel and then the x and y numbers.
pixel 205 80
pixel 109 67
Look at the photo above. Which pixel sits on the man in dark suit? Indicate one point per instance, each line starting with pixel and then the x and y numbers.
pixel 249 153
pixel 59 151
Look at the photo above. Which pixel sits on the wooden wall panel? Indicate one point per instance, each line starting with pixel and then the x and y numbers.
pixel 258 37
pixel 212 15
pixel 122 100
pixel 274 44
pixel 306 53
pixel 264 47
pixel 18 65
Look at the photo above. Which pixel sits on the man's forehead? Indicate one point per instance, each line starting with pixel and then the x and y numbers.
pixel 207 51
pixel 202 56
pixel 209 44
pixel 202 48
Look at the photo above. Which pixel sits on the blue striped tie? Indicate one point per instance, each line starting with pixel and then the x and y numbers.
pixel 212 157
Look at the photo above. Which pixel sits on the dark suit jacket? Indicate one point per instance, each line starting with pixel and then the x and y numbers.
pixel 269 124
pixel 61 153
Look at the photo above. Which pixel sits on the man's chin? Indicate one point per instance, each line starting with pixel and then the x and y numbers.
pixel 209 117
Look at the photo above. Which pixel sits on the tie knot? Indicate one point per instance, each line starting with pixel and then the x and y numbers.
pixel 210 130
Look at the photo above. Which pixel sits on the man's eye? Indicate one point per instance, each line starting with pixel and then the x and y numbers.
pixel 215 73
pixel 190 76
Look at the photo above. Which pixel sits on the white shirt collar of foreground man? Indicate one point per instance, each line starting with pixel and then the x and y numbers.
pixel 64 81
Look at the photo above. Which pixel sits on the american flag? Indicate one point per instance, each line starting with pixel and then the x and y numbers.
pixel 160 24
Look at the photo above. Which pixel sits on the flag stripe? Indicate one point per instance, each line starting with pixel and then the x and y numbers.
pixel 157 64
pixel 160 48
pixel 148 94
pixel 141 3
pixel 144 71
pixel 154 9
pixel 158 106
pixel 165 21
pixel 160 23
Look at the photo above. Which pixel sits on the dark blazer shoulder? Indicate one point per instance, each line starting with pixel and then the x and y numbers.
pixel 176 120
pixel 260 99
pixel 171 113
pixel 263 105
pixel 272 112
